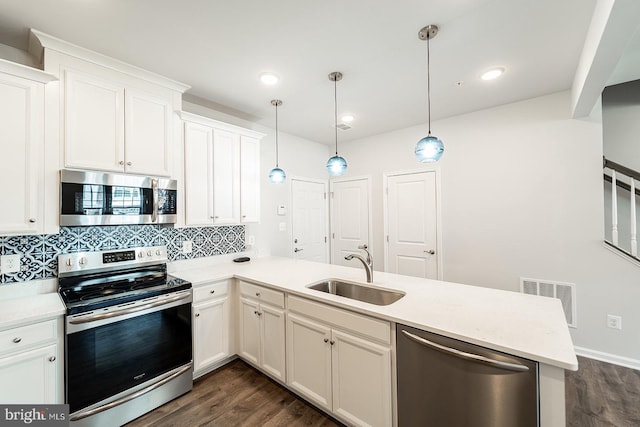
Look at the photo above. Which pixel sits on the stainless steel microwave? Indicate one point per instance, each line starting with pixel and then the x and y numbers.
pixel 99 198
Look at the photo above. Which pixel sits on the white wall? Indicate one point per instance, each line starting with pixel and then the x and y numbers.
pixel 522 196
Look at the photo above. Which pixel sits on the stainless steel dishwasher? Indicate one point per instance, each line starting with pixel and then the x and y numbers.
pixel 444 382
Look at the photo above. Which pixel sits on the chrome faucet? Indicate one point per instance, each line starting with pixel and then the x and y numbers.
pixel 368 262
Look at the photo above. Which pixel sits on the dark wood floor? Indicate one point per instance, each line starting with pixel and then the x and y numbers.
pixel 236 395
pixel 597 395
pixel 602 395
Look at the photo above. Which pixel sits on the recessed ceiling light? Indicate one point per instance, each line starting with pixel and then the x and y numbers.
pixel 269 78
pixel 492 74
pixel 347 118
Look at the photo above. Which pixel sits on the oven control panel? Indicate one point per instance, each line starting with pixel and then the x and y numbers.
pixel 71 263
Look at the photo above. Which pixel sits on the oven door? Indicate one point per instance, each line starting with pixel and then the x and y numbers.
pixel 114 350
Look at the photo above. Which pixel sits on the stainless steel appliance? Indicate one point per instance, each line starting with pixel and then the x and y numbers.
pixel 98 198
pixel 128 343
pixel 446 382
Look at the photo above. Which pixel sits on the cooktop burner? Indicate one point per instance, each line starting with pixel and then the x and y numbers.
pixel 101 279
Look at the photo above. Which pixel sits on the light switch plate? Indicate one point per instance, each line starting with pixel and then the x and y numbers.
pixel 10 263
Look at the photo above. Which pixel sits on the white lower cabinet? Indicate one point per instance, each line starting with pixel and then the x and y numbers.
pixel 340 361
pixel 262 329
pixel 31 363
pixel 210 326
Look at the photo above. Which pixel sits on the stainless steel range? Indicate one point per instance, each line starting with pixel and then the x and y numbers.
pixel 128 345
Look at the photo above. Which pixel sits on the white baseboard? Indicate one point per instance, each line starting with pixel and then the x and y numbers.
pixel 609 358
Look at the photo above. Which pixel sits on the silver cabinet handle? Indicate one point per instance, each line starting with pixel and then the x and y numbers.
pixel 197 314
pixel 332 342
pixel 298 250
pixel 257 294
pixel 169 376
pixel 32 220
pixel 326 340
pixel 17 340
pixel 467 356
pixel 121 162
pixel 430 252
pixel 52 359
pixel 129 163
pixel 213 291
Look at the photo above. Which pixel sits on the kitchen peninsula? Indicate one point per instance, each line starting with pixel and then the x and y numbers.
pixel 522 325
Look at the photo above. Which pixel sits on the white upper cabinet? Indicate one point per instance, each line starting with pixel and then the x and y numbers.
pixel 22 147
pixel 112 116
pixel 221 172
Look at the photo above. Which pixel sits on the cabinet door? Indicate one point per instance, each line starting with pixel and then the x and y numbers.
pixel 309 359
pixel 361 380
pixel 249 331
pixel 21 162
pixel 249 179
pixel 148 133
pixel 198 174
pixel 32 376
pixel 226 177
pixel 93 123
pixel 211 332
pixel 272 335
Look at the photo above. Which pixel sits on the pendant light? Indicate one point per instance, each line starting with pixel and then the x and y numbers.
pixel 336 165
pixel 277 175
pixel 430 148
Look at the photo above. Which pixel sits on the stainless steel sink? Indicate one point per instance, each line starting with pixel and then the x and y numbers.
pixel 372 295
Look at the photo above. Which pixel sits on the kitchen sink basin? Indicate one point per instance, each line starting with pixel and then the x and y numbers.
pixel 369 294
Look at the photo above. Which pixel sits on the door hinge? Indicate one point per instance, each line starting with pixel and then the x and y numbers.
pixel 333 235
pixel 387 238
pixel 324 195
pixel 325 239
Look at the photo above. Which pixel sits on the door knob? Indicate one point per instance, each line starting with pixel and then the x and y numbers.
pixel 430 252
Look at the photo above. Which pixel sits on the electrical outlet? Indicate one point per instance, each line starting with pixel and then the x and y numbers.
pixel 187 247
pixel 614 322
pixel 10 263
pixel 251 240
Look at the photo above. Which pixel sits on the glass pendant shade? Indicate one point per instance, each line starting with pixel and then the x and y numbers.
pixel 277 176
pixel 429 149
pixel 336 166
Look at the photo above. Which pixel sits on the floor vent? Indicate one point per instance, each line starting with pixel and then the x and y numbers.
pixel 565 292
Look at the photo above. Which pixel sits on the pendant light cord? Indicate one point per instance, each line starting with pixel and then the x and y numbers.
pixel 277 134
pixel 335 105
pixel 428 83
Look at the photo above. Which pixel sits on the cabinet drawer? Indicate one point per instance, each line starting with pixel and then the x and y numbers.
pixel 377 329
pixel 210 290
pixel 262 294
pixel 28 336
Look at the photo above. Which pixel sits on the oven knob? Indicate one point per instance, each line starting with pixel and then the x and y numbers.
pixel 158 252
pixel 69 262
pixel 141 254
pixel 83 261
pixel 149 253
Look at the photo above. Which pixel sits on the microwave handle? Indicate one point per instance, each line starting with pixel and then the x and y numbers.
pixel 154 186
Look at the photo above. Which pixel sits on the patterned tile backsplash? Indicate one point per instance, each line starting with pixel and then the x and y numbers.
pixel 39 253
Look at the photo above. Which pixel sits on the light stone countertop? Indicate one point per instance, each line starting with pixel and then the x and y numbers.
pixel 29 302
pixel 523 325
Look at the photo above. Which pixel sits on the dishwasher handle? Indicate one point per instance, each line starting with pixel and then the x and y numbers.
pixel 467 356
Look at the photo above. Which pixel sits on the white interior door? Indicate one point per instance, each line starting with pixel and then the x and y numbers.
pixel 309 220
pixel 350 219
pixel 412 221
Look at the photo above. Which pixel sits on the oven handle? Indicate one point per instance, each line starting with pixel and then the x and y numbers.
pixel 124 399
pixel 124 311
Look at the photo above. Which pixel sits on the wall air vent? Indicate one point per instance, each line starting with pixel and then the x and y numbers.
pixel 565 292
pixel 343 126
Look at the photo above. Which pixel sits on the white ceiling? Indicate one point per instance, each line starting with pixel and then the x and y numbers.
pixel 221 47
